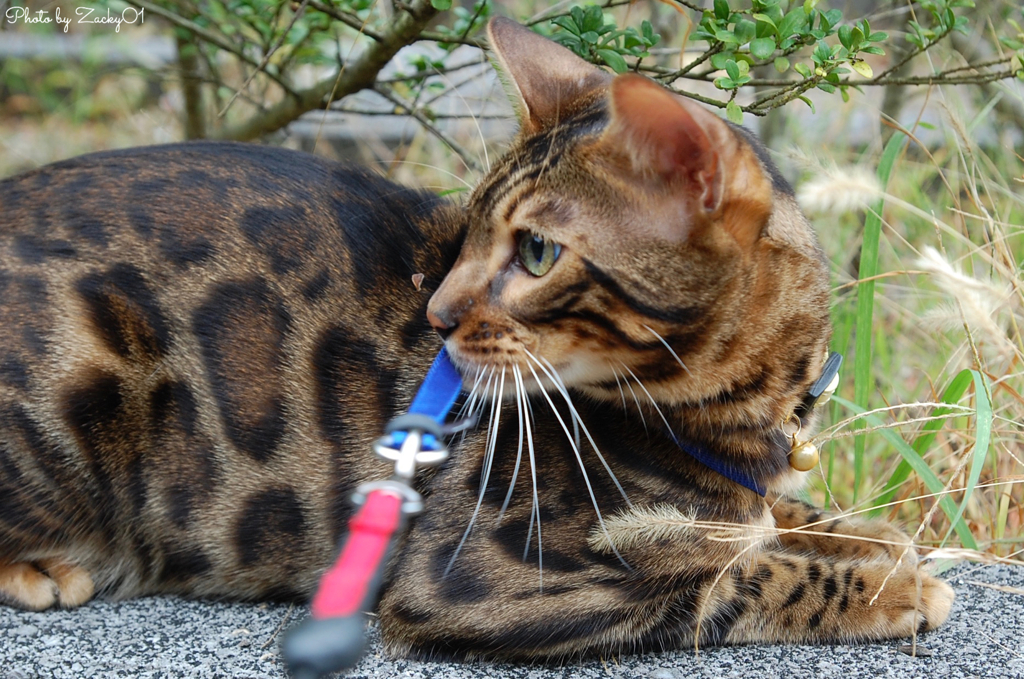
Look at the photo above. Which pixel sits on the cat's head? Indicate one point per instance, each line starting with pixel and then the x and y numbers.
pixel 631 234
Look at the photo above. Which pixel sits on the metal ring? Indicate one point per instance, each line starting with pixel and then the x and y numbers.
pixel 410 421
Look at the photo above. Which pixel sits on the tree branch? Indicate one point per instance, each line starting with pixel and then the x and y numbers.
pixel 208 36
pixel 358 73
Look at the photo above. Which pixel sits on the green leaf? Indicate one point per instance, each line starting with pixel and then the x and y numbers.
pixel 728 37
pixel 792 23
pixel 613 59
pixel 925 440
pixel 593 18
pixel 846 36
pixel 822 53
pixel 862 67
pixel 650 37
pixel 441 5
pixel 722 10
pixel 832 17
pixel 590 37
pixel 809 103
pixel 826 87
pixel 781 64
pixel 725 83
pixel 745 30
pixel 718 60
pixel 862 379
pixel 762 48
pixel 733 69
pixel 567 23
pixel 734 113
pixel 803 70
pixel 578 17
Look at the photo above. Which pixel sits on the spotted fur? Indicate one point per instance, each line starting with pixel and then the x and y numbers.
pixel 199 342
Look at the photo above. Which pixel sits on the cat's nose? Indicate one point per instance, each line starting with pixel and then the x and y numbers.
pixel 443 328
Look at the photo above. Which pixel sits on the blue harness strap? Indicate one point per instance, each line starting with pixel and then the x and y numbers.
pixel 439 390
pixel 433 400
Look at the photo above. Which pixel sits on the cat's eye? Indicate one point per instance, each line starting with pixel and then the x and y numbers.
pixel 537 254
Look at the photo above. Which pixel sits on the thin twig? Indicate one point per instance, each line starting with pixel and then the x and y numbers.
pixel 359 73
pixel 347 18
pixel 284 621
pixel 266 57
pixel 431 128
pixel 209 36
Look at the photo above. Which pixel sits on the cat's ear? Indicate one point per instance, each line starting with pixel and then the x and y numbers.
pixel 668 136
pixel 548 78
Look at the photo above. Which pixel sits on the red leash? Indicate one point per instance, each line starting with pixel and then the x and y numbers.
pixel 346 587
pixel 333 638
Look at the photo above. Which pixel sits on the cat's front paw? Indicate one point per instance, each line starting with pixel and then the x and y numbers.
pixel 23 585
pixel 74 584
pixel 918 612
pixel 936 601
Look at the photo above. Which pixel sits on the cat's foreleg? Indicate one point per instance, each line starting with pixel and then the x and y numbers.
pixel 785 597
pixel 806 529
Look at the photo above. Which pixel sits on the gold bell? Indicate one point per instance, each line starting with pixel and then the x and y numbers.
pixel 803 457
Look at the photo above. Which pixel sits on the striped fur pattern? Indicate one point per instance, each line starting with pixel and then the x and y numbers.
pixel 199 342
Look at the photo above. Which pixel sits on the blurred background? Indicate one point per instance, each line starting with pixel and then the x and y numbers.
pixel 901 123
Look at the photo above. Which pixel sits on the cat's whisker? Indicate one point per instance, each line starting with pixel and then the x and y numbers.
pixel 492 437
pixel 643 419
pixel 577 420
pixel 481 402
pixel 653 402
pixel 579 460
pixel 517 376
pixel 492 429
pixel 618 383
pixel 535 506
pixel 477 377
pixel 670 349
pixel 469 407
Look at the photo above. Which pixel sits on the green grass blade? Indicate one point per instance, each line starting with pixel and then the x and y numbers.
pixel 862 378
pixel 982 438
pixel 952 395
pixel 921 468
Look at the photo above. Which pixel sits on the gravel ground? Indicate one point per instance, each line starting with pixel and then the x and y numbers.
pixel 163 637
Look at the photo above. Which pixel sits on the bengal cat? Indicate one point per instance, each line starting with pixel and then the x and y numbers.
pixel 199 342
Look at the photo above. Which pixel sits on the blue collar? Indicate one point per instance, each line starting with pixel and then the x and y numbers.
pixel 717 464
pixel 738 475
